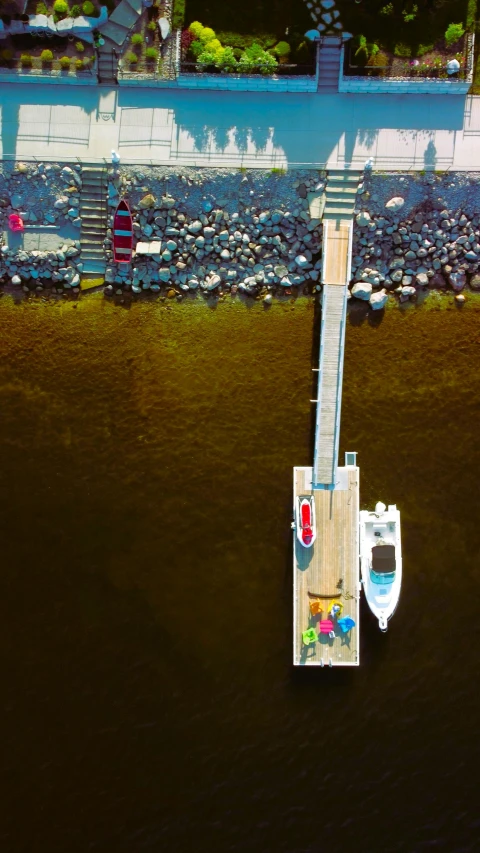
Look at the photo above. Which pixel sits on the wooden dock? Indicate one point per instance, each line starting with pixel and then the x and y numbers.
pixel 328 572
pixel 336 251
pixel 330 377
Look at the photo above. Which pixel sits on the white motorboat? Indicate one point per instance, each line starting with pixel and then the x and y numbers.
pixel 305 520
pixel 381 560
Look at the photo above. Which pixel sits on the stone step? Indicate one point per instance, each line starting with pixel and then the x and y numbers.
pixel 338 190
pixel 93 266
pixel 92 253
pixel 337 211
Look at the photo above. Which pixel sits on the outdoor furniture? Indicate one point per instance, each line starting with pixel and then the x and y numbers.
pixel 346 623
pixel 309 636
pixel 327 627
pixel 15 222
pixel 315 607
pixel 335 608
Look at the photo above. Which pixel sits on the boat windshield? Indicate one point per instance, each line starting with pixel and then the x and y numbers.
pixel 383 578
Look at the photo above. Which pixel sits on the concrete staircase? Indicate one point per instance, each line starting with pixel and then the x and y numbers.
pixel 107 64
pixel 341 192
pixel 329 64
pixel 94 214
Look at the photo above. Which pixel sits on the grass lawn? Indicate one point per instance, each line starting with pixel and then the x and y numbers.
pixel 427 26
pixel 250 17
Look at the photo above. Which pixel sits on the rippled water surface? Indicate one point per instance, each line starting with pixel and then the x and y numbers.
pixel 148 699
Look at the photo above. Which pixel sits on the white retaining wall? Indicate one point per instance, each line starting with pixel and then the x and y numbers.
pixel 226 82
pixel 409 86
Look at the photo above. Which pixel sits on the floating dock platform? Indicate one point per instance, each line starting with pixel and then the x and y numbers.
pixel 327 573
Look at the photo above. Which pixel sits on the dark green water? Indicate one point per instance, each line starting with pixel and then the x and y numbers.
pixel 148 700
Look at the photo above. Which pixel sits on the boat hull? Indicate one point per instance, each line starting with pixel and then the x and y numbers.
pixel 305 521
pixel 122 234
pixel 381 591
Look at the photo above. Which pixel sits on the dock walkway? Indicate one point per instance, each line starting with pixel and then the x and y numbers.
pixel 327 573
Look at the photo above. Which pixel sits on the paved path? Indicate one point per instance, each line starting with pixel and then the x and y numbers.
pixel 179 127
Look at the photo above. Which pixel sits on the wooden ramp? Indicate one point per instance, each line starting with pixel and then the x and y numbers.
pixel 328 572
pixel 337 247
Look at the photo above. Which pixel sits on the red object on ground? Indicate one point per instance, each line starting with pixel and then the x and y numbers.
pixel 122 234
pixel 326 625
pixel 15 222
pixel 306 522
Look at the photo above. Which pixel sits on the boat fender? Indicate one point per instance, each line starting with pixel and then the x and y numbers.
pixel 383 624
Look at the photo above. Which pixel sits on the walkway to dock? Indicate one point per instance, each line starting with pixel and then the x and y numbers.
pixel 336 271
pixel 327 573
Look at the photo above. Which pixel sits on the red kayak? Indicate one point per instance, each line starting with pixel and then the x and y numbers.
pixel 122 234
pixel 305 521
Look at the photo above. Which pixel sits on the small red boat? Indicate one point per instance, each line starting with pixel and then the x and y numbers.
pixel 122 234
pixel 305 521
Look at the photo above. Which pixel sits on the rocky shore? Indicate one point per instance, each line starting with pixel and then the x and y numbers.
pixel 219 231
pixel 214 232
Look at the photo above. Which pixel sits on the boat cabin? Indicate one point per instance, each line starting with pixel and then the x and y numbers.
pixel 383 563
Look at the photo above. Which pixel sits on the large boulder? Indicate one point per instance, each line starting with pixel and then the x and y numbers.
pixel 363 219
pixel 457 280
pixel 395 204
pixel 378 300
pixel 147 202
pixel 475 282
pixel 362 290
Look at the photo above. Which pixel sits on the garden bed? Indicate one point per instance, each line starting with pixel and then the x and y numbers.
pixel 404 25
pixel 365 59
pixel 43 55
pixel 145 52
pixel 204 50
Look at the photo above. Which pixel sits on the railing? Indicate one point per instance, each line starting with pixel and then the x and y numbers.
pixel 404 69
pixel 282 70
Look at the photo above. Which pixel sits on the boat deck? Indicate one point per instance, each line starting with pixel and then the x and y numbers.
pixel 329 570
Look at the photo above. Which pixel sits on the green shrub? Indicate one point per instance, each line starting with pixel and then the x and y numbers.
pixel 86 61
pixel 75 12
pixel 378 60
pixel 237 52
pixel 471 14
pixel 79 64
pixel 65 61
pixel 303 52
pixel 230 39
pixel 387 10
pixel 137 39
pixel 361 52
pixel 207 35
pixel 88 8
pixel 152 25
pixel 41 8
pixel 423 49
pixel 207 57
pixel 25 59
pixel 228 61
pixel 402 49
pixel 254 58
pixel 151 54
pixel 132 58
pixel 46 56
pixel 410 16
pixel 197 48
pixel 282 49
pixel 178 16
pixel 60 7
pixel 79 46
pixel 196 28
pixel 6 54
pixel 454 33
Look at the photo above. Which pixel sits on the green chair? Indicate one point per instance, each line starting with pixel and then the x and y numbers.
pixel 309 636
